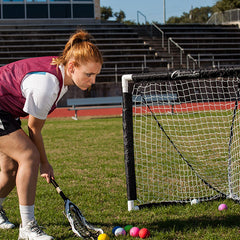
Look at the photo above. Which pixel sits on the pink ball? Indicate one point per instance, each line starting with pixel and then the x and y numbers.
pixel 134 231
pixel 222 207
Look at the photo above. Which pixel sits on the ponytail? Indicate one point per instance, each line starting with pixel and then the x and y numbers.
pixel 80 49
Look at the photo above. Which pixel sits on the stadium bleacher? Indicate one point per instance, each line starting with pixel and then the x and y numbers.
pixel 125 48
pixel 209 45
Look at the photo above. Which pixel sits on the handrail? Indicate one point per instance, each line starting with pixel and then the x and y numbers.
pixel 212 60
pixel 174 43
pixel 193 59
pixel 177 45
pixel 140 13
pixel 161 31
pixel 117 73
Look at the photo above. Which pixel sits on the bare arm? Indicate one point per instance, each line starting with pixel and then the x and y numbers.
pixel 35 126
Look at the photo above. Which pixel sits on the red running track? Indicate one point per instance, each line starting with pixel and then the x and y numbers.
pixel 189 107
pixel 64 112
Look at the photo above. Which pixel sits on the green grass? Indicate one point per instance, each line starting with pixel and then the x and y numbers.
pixel 88 161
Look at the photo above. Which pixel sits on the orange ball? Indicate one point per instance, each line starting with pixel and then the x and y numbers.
pixel 144 233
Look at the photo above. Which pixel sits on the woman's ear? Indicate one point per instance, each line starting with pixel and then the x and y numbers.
pixel 71 67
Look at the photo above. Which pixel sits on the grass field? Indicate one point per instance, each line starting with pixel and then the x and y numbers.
pixel 87 157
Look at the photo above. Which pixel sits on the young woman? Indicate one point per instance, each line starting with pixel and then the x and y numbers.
pixel 33 87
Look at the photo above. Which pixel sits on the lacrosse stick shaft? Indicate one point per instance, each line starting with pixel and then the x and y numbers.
pixel 58 189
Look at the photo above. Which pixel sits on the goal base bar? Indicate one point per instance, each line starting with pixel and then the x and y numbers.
pixel 132 207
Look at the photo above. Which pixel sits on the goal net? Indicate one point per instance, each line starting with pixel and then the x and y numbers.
pixel 181 136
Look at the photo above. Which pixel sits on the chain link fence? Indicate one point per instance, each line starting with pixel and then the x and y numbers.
pixel 230 16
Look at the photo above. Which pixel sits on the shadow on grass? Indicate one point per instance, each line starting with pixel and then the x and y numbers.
pixel 193 223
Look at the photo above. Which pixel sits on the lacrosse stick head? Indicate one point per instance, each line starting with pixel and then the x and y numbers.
pixel 78 222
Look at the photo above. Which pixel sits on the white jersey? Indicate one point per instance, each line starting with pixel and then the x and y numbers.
pixel 41 90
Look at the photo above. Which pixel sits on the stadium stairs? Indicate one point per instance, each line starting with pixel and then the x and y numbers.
pixel 197 45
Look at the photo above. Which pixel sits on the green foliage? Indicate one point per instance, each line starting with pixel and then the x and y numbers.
pixel 88 161
pixel 120 16
pixel 224 5
pixel 129 22
pixel 201 15
pixel 106 13
pixel 196 15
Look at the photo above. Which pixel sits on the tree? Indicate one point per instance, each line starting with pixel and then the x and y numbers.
pixel 120 16
pixel 200 15
pixel 106 13
pixel 224 5
pixel 196 15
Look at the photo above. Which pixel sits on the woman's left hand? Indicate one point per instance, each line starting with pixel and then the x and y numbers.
pixel 46 172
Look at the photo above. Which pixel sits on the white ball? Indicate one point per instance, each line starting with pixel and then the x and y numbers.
pixel 120 231
pixel 194 201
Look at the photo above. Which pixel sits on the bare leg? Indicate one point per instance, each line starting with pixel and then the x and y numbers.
pixel 7 175
pixel 19 147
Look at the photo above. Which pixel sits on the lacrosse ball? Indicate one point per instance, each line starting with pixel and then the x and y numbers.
pixel 134 232
pixel 127 228
pixel 194 201
pixel 222 207
pixel 144 233
pixel 114 229
pixel 103 236
pixel 120 231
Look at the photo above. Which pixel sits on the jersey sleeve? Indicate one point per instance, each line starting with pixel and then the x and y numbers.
pixel 40 90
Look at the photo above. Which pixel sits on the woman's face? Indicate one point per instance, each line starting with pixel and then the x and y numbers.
pixel 84 75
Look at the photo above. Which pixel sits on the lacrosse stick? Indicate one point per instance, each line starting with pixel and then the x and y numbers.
pixel 77 221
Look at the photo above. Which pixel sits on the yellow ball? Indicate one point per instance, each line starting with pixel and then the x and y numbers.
pixel 103 236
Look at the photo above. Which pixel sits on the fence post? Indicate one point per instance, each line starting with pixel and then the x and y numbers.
pixel 213 63
pixel 169 51
pixel 116 74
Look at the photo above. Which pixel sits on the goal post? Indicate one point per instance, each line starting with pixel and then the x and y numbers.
pixel 181 136
pixel 128 142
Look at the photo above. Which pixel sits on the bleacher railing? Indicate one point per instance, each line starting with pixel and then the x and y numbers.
pixel 161 31
pixel 229 16
pixel 170 40
pixel 139 13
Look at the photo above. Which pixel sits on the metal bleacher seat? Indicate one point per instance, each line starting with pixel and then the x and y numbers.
pixel 208 44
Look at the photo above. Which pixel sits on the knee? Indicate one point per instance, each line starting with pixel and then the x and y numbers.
pixel 30 158
pixel 10 169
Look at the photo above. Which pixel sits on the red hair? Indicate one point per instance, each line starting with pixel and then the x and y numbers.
pixel 80 50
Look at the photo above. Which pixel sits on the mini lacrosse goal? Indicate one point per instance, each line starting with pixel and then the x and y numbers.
pixel 181 136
